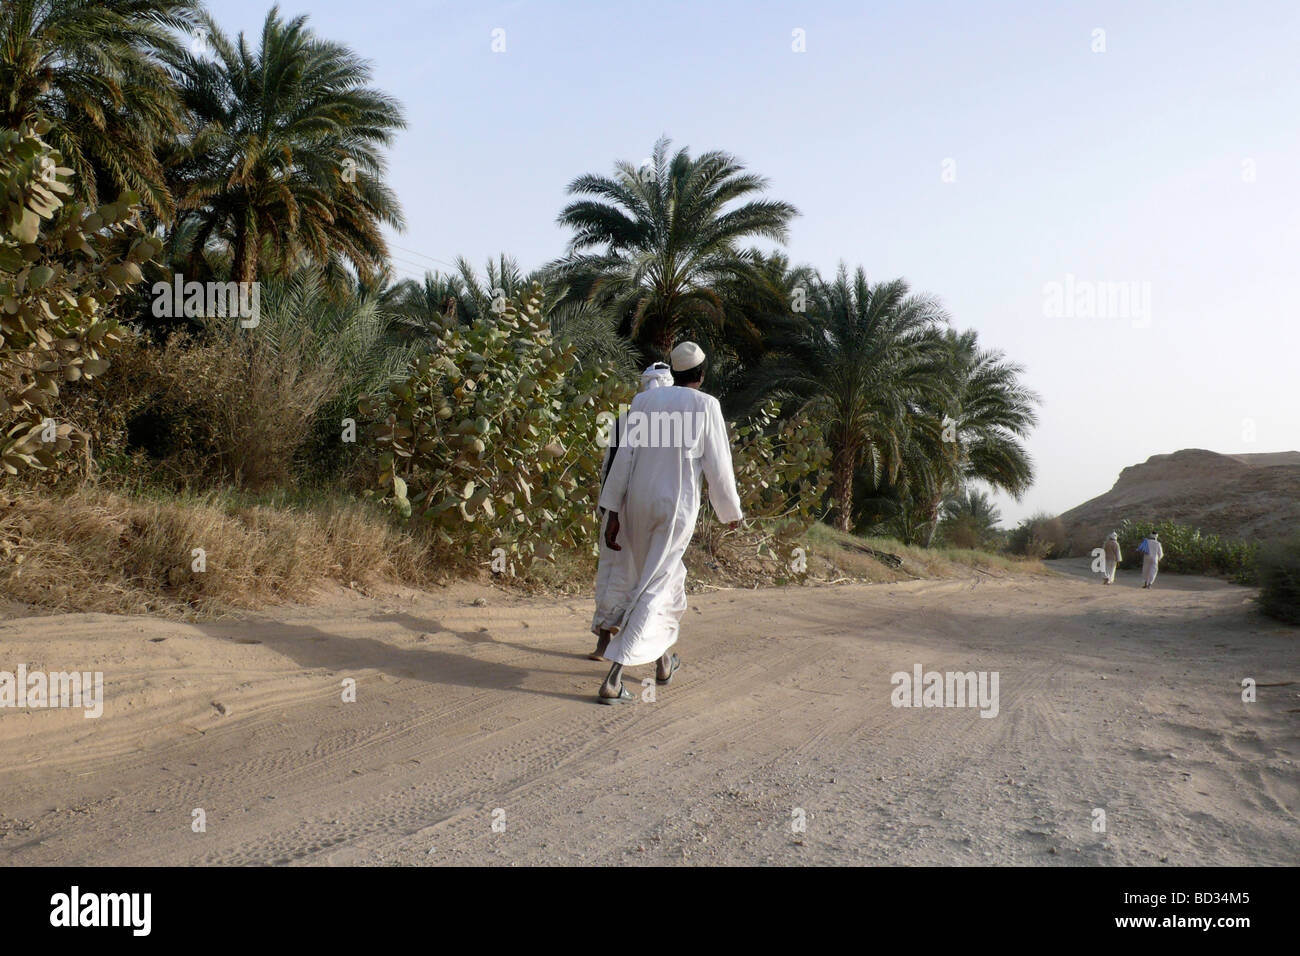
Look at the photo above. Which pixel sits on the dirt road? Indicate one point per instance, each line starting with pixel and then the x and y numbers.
pixel 1110 699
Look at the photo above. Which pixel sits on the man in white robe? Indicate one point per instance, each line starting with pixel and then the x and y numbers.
pixel 613 570
pixel 1111 552
pixel 1151 559
pixel 674 436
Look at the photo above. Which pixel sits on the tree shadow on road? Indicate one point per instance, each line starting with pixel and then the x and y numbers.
pixel 311 647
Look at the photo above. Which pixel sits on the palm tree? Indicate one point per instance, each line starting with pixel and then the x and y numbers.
pixel 981 428
pixel 654 245
pixel 502 279
pixel 969 519
pixel 755 312
pixel 350 336
pixel 463 295
pixel 865 360
pixel 283 162
pixel 421 308
pixel 95 69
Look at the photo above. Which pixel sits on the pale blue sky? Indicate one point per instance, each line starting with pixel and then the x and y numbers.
pixel 1129 165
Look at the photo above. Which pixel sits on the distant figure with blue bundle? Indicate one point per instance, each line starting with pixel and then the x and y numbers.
pixel 1151 552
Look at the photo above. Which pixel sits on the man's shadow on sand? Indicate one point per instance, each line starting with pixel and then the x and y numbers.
pixel 311 647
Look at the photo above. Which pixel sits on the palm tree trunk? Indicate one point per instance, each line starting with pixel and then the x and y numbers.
pixel 244 254
pixel 843 465
pixel 663 341
pixel 931 520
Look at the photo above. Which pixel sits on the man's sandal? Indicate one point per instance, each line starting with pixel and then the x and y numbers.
pixel 672 669
pixel 624 695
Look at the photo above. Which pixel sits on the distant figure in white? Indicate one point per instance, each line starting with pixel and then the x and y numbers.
pixel 614 571
pixel 652 494
pixel 1111 553
pixel 1152 552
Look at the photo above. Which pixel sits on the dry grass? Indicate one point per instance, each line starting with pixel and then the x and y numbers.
pixel 719 558
pixel 96 550
pixel 845 553
pixel 243 406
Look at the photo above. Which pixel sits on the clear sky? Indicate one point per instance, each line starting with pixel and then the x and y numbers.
pixel 983 151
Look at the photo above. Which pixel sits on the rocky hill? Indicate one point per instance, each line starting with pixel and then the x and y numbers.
pixel 1235 496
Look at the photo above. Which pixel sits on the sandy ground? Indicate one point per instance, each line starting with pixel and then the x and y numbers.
pixel 1110 698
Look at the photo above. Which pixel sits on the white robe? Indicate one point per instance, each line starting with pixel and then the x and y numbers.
pixel 613 569
pixel 1151 561
pixel 656 493
pixel 1112 554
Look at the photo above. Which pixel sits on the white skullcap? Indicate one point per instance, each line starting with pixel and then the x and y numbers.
pixel 687 356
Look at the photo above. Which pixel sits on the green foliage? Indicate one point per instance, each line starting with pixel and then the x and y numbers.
pixel 866 357
pixel 655 245
pixel 1039 536
pixel 466 296
pixel 346 338
pixel 93 69
pixel 256 406
pixel 974 434
pixel 969 520
pixel 462 296
pixel 231 408
pixel 105 408
pixel 282 160
pixel 782 476
pixel 991 414
pixel 1188 551
pixel 1279 580
pixel 60 268
pixel 595 336
pixel 491 441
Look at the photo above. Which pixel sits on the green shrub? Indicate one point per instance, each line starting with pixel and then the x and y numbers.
pixel 969 520
pixel 1038 536
pixel 782 476
pixel 256 407
pixel 199 413
pixel 1278 569
pixel 491 441
pixel 782 469
pixel 239 407
pixel 61 267
pixel 1188 551
pixel 105 408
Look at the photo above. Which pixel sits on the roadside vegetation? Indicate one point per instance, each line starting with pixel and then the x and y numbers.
pixel 1279 580
pixel 1188 551
pixel 359 429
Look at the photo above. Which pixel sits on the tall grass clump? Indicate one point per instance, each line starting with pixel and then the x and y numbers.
pixel 1040 536
pixel 192 555
pixel 249 408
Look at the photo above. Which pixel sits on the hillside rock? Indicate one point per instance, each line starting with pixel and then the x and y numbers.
pixel 1254 497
